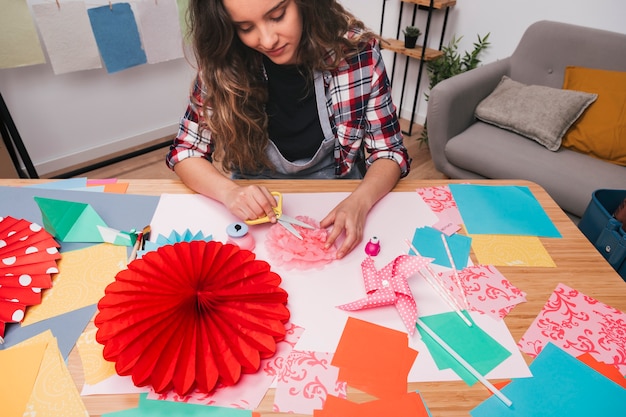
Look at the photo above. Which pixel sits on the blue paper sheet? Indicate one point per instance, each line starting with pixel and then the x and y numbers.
pixel 119 211
pixel 502 210
pixel 117 36
pixel 427 241
pixel 561 386
pixel 67 328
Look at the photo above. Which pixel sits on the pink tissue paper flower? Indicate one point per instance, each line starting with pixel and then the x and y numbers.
pixel 288 251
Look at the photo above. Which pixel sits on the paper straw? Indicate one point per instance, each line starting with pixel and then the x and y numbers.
pixel 440 288
pixel 465 364
pixel 454 271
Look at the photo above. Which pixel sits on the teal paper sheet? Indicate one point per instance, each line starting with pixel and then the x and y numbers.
pixel 472 343
pixel 561 386
pixel 156 408
pixel 427 241
pixel 502 210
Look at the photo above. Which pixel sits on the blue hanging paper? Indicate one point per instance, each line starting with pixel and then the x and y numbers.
pixel 117 36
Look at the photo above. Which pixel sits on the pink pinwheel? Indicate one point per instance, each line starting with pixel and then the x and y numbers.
pixel 389 286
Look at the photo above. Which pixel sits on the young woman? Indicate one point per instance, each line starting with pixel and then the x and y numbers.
pixel 288 89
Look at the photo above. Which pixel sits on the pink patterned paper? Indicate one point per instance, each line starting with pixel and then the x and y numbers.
pixel 579 324
pixel 441 202
pixel 305 381
pixel 486 289
pixel 251 388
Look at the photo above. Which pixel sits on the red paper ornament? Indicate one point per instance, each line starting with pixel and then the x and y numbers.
pixel 192 315
pixel 28 258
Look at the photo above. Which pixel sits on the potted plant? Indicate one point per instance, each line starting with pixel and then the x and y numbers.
pixel 451 63
pixel 411 33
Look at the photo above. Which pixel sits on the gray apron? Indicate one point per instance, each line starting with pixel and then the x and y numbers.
pixel 320 166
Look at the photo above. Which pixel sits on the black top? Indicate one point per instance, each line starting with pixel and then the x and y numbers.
pixel 294 124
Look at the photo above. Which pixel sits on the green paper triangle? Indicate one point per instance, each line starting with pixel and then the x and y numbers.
pixel 70 221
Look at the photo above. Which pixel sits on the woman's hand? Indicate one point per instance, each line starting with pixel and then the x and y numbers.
pixel 347 217
pixel 250 202
pixel 246 202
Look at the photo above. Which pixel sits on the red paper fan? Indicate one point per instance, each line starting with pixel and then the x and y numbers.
pixel 192 315
pixel 28 255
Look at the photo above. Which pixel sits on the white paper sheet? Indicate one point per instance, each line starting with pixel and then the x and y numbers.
pixel 67 34
pixel 314 294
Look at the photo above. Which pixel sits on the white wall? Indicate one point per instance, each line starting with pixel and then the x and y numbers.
pixel 67 119
pixel 505 20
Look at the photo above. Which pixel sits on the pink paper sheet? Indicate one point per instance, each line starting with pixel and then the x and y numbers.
pixel 486 289
pixel 441 202
pixel 578 324
pixel 305 381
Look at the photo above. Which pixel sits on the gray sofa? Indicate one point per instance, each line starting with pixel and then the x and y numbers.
pixel 463 147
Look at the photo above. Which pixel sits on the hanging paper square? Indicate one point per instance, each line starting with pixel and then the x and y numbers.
pixel 160 30
pixel 116 33
pixel 67 34
pixel 19 43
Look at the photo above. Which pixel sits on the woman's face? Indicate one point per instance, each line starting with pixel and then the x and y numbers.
pixel 272 27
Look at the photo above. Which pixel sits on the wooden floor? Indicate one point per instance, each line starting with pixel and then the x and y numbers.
pixel 152 165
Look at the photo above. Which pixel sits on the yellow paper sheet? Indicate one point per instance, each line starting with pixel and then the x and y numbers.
pixel 83 276
pixel 19 366
pixel 505 250
pixel 95 367
pixel 19 42
pixel 54 393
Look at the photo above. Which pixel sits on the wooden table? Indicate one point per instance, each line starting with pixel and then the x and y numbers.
pixel 579 266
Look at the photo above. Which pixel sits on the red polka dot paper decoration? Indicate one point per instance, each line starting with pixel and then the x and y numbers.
pixel 28 258
pixel 191 315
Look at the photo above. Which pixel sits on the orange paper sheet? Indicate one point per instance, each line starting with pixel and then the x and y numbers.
pixel 405 405
pixel 374 359
pixel 20 367
pixel 605 369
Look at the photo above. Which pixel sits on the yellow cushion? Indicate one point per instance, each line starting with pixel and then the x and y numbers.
pixel 601 130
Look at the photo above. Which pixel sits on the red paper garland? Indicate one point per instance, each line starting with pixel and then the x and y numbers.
pixel 192 315
pixel 28 258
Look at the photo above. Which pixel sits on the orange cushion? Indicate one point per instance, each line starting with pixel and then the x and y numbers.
pixel 601 130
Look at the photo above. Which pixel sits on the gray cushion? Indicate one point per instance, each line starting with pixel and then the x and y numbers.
pixel 537 112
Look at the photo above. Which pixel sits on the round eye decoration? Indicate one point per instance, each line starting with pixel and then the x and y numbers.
pixel 191 316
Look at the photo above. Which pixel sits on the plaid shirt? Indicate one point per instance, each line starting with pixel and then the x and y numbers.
pixel 359 107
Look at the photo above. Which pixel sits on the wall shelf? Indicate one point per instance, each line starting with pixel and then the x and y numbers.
pixel 423 53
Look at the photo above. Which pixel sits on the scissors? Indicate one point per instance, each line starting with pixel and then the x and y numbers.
pixel 284 220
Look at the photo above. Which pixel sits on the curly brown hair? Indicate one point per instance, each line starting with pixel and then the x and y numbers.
pixel 231 73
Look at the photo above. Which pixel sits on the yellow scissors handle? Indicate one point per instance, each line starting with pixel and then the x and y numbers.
pixel 278 210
